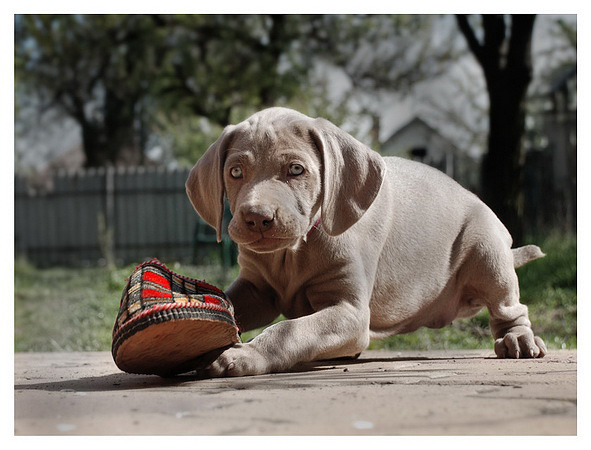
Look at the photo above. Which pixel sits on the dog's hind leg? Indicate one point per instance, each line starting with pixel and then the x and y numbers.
pixel 498 287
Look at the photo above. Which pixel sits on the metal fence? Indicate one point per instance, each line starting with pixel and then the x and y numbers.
pixel 120 215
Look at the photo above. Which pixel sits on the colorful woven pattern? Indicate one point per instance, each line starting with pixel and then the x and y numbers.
pixel 166 319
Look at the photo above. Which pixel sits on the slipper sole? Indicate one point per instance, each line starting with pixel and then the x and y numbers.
pixel 165 336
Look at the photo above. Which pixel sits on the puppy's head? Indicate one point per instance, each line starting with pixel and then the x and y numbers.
pixel 278 169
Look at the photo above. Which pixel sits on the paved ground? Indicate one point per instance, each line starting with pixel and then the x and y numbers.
pixel 382 393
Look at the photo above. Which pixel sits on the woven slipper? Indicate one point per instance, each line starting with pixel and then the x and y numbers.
pixel 166 320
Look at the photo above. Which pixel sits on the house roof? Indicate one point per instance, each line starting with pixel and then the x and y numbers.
pixel 418 121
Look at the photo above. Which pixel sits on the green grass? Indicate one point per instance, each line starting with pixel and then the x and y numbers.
pixel 64 309
pixel 549 288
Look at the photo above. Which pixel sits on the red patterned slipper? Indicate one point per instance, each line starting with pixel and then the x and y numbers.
pixel 166 320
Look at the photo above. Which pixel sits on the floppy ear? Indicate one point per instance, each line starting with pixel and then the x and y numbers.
pixel 352 176
pixel 205 185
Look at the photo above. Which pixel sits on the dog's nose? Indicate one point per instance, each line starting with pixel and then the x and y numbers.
pixel 259 218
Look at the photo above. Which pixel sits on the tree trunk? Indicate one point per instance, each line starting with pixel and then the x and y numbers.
pixel 110 146
pixel 271 55
pixel 501 171
pixel 505 57
pixel 112 141
pixel 94 146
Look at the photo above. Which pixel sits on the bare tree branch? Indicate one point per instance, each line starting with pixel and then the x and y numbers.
pixel 468 32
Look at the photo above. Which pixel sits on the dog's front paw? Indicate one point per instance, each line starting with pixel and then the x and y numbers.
pixel 520 342
pixel 236 361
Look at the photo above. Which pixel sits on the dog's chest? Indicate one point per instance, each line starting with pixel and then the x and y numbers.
pixel 289 279
pixel 291 298
pixel 294 306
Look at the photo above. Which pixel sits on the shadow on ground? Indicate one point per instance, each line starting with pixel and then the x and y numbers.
pixel 308 371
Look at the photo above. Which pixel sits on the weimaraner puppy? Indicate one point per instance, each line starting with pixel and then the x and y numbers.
pixel 349 245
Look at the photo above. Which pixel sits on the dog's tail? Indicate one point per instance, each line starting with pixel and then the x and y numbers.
pixel 523 255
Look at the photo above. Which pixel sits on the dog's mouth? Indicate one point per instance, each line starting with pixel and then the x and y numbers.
pixel 269 244
pixel 282 235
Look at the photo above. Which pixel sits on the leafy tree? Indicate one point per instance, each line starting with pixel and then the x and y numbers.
pixel 458 108
pixel 569 32
pixel 115 74
pixel 504 53
pixel 384 57
pixel 98 69
pixel 220 63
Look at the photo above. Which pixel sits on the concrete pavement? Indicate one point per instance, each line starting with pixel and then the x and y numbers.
pixel 381 393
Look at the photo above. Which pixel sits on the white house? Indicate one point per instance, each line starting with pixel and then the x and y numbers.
pixel 419 141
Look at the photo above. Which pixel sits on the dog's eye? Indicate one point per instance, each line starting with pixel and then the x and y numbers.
pixel 236 172
pixel 296 169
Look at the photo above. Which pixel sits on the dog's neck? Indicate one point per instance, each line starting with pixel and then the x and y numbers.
pixel 314 226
